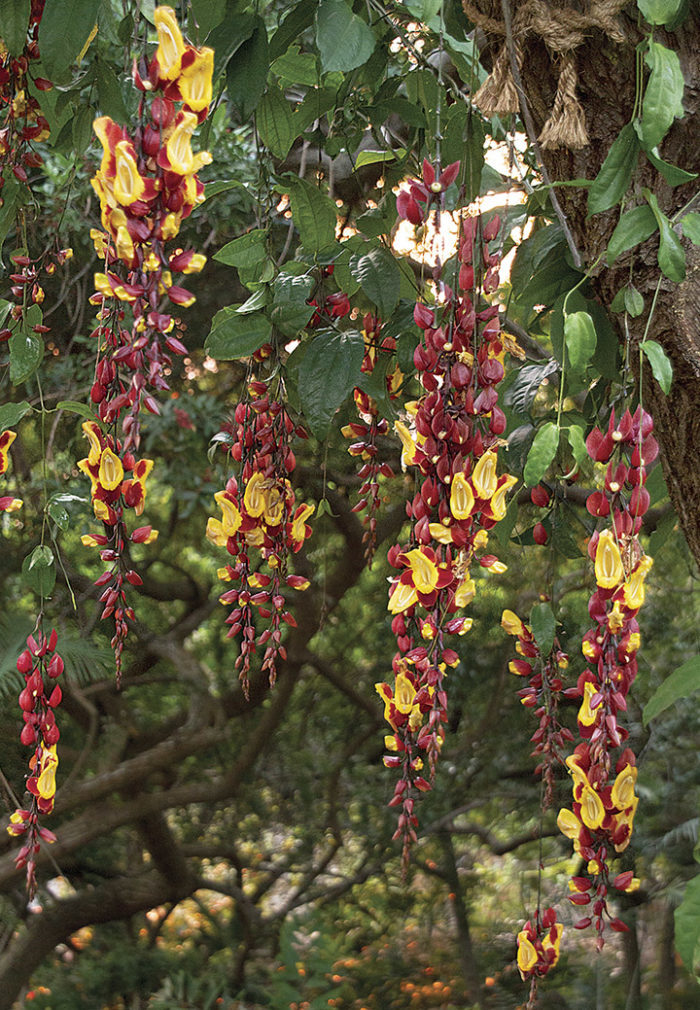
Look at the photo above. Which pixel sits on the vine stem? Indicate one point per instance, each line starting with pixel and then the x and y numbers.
pixel 532 135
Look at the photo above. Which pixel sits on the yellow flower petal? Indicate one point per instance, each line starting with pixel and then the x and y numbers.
pixel 568 823
pixel 170 43
pixel 484 477
pixel 609 572
pixel 527 955
pixel 622 794
pixel 592 809
pixel 461 497
pixel 423 570
pixel 111 472
pixel 511 623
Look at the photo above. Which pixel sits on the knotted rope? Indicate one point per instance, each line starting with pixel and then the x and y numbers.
pixel 562 29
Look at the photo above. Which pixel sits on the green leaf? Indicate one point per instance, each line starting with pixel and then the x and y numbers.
pixel 230 36
pixel 373 157
pixel 659 12
pixel 673 175
pixel 521 393
pixel 258 300
pixel 75 407
pixel 663 98
pixel 682 683
pixel 208 14
pixel 580 338
pixel 275 122
pixel 125 28
pixel 81 129
pixel 14 19
pixel 634 301
pixel 63 31
pixel 39 570
pixel 58 514
pixel 656 486
pixel 246 76
pixel 328 373
pixel 299 18
pixel 612 182
pixel 687 925
pixel 26 348
pixel 578 444
pixel 691 227
pixel 399 106
pixel 11 197
pixel 290 309
pixel 313 213
pixel 671 253
pixel 245 251
pixel 543 627
pixel 344 40
pixel 234 335
pixel 618 302
pixel 109 93
pixel 12 413
pixel 221 186
pixel 663 533
pixel 315 104
pixel 660 364
pixel 297 67
pixel 424 10
pixel 541 455
pixel 636 226
pixel 380 278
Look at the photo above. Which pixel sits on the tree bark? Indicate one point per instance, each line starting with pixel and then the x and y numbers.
pixel 606 91
pixel 117 899
pixel 461 916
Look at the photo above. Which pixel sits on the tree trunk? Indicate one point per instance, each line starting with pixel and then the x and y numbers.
pixel 606 91
pixel 667 959
pixel 461 916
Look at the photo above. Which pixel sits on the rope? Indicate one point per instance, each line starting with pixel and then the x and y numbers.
pixel 566 126
pixel 562 29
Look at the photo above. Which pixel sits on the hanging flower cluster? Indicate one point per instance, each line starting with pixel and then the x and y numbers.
pixel 8 503
pixel 335 305
pixel 424 191
pixel 118 483
pixel 543 693
pixel 452 440
pixel 147 185
pixel 41 667
pixel 260 516
pixel 21 119
pixel 538 942
pixel 538 945
pixel 367 430
pixel 22 125
pixel 603 771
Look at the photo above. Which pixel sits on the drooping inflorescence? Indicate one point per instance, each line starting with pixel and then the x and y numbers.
pixel 543 694
pixel 41 666
pixel 452 437
pixel 260 520
pixel 602 768
pixel 369 428
pixel 8 503
pixel 22 122
pixel 147 185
